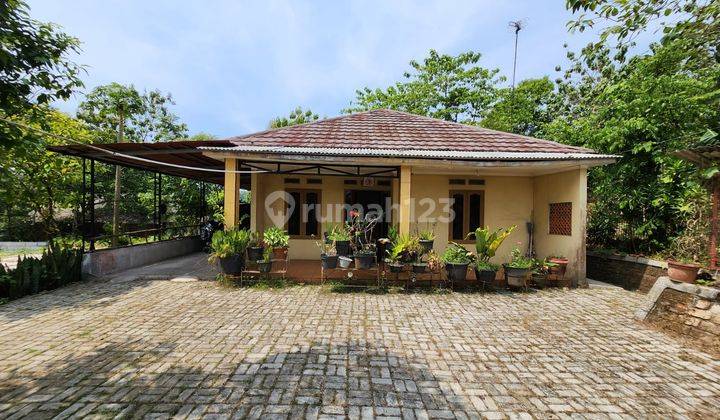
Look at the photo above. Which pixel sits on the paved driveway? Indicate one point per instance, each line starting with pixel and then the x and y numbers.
pixel 162 349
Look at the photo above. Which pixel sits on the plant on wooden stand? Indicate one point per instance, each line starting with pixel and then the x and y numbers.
pixel 265 264
pixel 277 239
pixel 486 245
pixel 255 247
pixel 328 254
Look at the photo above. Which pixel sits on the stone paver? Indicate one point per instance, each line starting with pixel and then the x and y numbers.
pixel 159 349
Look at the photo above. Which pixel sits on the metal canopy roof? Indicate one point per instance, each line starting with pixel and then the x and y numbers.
pixel 185 153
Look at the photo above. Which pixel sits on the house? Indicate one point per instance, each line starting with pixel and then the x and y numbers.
pixel 412 172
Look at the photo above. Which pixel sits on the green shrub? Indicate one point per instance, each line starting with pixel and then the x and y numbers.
pixel 275 237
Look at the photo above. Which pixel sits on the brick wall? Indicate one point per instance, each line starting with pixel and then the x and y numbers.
pixel 691 316
pixel 631 273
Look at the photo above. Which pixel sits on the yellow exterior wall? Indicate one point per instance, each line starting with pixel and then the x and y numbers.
pixel 571 187
pixel 508 201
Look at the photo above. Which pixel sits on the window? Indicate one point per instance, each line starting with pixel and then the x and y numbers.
pixel 469 209
pixel 304 219
pixel 560 222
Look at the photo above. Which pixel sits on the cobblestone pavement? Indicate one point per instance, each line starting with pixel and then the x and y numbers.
pixel 165 349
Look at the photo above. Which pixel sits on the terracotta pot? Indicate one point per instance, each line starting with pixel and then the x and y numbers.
pixel 280 253
pixel 560 269
pixel 686 273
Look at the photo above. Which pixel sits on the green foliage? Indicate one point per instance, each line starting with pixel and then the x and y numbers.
pixel 427 234
pixel 405 248
pixel 35 68
pixel 275 237
pixel 525 110
pixel 452 88
pixel 486 266
pixel 58 266
pixel 487 242
pixel 338 232
pixel 456 254
pixel 297 116
pixel 519 260
pixel 226 243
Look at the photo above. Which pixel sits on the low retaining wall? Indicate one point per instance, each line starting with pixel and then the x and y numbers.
pixel 631 273
pixel 688 310
pixel 108 261
pixel 10 246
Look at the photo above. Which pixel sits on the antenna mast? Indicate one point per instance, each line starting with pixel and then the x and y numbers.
pixel 517 25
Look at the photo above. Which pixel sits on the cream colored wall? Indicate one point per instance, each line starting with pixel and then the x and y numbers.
pixel 332 197
pixel 571 187
pixel 508 201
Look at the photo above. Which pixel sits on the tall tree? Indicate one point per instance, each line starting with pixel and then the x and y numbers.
pixel 122 110
pixel 526 110
pixel 297 116
pixel 452 88
pixel 35 68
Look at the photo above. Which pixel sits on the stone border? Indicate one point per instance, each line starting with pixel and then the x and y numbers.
pixel 629 258
pixel 662 283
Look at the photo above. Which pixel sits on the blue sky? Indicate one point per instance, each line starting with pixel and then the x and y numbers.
pixel 233 65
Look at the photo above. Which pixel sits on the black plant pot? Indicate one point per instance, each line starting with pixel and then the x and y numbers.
pixel 427 245
pixel 419 268
pixel 255 253
pixel 364 261
pixel 456 272
pixel 344 262
pixel 342 247
pixel 485 276
pixel 232 265
pixel 517 277
pixel 395 267
pixel 329 261
pixel 264 266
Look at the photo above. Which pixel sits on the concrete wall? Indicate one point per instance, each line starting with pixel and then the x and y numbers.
pixel 9 246
pixel 108 261
pixel 570 186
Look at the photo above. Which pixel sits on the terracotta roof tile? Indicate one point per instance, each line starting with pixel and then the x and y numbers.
pixel 388 129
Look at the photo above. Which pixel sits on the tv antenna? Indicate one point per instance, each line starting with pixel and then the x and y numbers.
pixel 517 25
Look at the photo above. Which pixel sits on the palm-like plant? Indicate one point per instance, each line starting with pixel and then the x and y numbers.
pixel 487 242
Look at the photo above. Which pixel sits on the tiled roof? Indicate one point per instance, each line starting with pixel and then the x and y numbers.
pixel 388 129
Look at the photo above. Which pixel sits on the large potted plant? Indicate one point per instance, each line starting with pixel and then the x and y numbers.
pixel 228 248
pixel 394 254
pixel 683 271
pixel 518 269
pixel 486 245
pixel 456 259
pixel 277 240
pixel 426 239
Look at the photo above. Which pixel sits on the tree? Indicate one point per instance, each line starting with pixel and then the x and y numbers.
pixel 526 110
pixel 452 88
pixel 297 116
pixel 38 183
pixel 35 69
pixel 141 117
pixel 642 107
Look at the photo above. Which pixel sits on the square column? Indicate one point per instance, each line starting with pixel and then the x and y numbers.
pixel 404 209
pixel 232 194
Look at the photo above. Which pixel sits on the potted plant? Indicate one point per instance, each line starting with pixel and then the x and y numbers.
pixel 419 267
pixel 684 271
pixel 277 240
pixel 255 247
pixel 486 245
pixel 364 257
pixel 265 264
pixel 456 259
pixel 540 273
pixel 228 248
pixel 328 254
pixel 393 258
pixel 557 267
pixel 518 269
pixel 341 237
pixel 434 262
pixel 426 239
